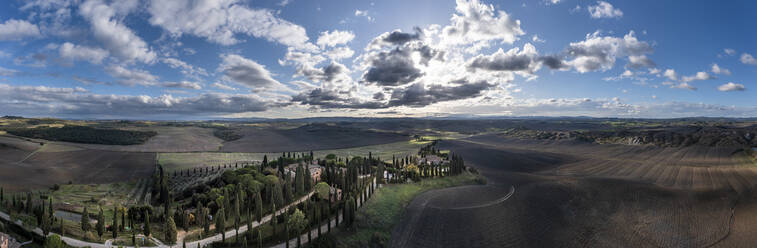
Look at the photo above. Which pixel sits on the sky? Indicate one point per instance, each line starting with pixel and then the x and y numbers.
pixel 203 59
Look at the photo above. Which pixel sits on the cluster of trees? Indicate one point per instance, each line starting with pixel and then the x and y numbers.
pixel 85 134
pixel 226 134
pixel 244 195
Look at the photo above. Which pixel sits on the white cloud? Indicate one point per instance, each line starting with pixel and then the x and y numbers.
pixel 109 29
pixel 600 52
pixel 552 1
pixel 132 77
pixel 476 22
pixel 717 70
pixel 536 38
pixel 683 85
pixel 638 61
pixel 671 74
pixel 285 2
pixel 18 30
pixel 729 51
pixel 183 85
pixel 702 75
pixel 339 53
pixel 5 72
pixel 333 38
pixel 220 21
pixel 222 86
pixel 731 86
pixel 76 52
pixel 604 10
pixel 363 13
pixel 575 9
pixel 748 59
pixel 186 69
pixel 238 69
pixel 46 101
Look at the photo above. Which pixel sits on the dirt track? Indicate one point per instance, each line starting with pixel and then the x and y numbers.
pixel 608 204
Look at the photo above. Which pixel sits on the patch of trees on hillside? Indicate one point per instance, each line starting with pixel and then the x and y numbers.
pixel 226 134
pixel 84 134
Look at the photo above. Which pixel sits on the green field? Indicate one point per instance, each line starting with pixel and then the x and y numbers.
pixel 381 212
pixel 187 160
pixel 75 197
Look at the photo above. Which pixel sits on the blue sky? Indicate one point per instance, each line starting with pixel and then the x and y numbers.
pixel 193 59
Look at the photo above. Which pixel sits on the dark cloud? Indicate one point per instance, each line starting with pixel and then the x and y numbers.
pixel 392 68
pixel 330 73
pixel 553 62
pixel 427 53
pixel 515 59
pixel 505 63
pixel 417 95
pixel 246 72
pixel 88 81
pixel 331 99
pixel 397 37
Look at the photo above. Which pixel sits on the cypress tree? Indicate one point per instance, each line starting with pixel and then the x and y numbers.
pixel 147 224
pixel 85 220
pixel 170 230
pixel 221 224
pixel 308 179
pixel 259 207
pixel 260 239
pixel 100 223
pixel 299 180
pixel 114 227
pixel 205 213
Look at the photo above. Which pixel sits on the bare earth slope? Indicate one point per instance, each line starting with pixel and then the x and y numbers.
pixel 572 194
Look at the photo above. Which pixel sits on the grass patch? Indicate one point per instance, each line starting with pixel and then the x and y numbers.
pixel 74 197
pixel 375 221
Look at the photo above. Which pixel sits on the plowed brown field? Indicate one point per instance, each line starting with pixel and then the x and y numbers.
pixel 572 194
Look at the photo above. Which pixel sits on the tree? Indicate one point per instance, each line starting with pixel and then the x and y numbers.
pixel 322 190
pixel 170 230
pixel 308 179
pixel 147 224
pixel 114 227
pixel 299 180
pixel 54 241
pixel 260 239
pixel 62 228
pixel 2 195
pixel 259 207
pixel 237 214
pixel 123 219
pixel 349 211
pixel 85 220
pixel 221 224
pixel 297 223
pixel 45 222
pixel 205 221
pixel 273 218
pixel 100 223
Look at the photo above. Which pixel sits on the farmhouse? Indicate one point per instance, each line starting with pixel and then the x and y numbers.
pixel 315 171
pixel 433 160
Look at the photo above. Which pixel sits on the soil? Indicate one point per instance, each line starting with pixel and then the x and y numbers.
pixel 572 194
